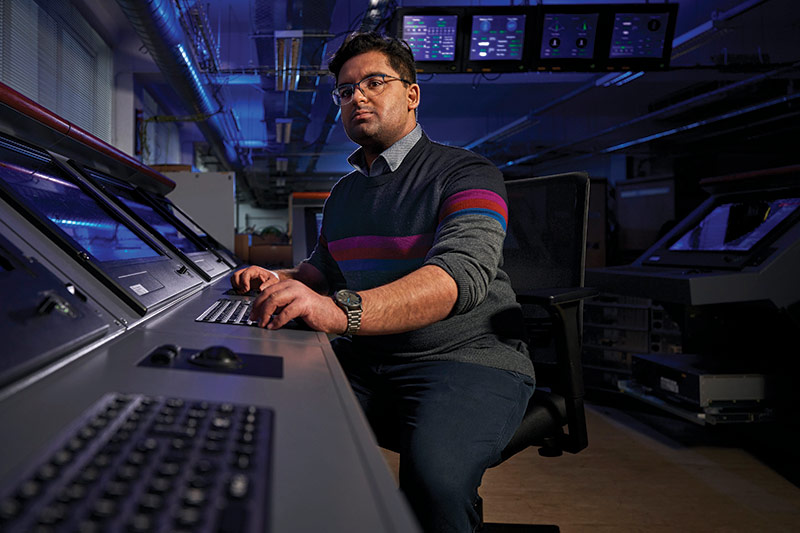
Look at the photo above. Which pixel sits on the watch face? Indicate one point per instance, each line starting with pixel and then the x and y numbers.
pixel 348 298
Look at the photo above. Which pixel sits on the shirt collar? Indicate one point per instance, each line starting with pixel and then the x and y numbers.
pixel 388 160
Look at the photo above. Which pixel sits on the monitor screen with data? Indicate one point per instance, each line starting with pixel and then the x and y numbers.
pixel 431 37
pixel 568 35
pixel 639 35
pixel 498 37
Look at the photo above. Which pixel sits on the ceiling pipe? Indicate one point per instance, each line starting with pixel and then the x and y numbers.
pixel 687 127
pixel 157 24
pixel 680 42
pixel 530 119
pixel 666 110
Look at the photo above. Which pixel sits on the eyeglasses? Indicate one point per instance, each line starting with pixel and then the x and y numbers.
pixel 369 86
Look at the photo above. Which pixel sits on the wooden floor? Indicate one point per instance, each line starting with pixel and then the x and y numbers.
pixel 636 478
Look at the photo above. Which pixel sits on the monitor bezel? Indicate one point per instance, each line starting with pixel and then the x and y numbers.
pixel 568 64
pixel 661 255
pixel 103 271
pixel 472 66
pixel 97 179
pixel 211 244
pixel 640 63
pixel 428 67
pixel 310 220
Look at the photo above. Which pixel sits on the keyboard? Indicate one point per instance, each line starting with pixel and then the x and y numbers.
pixel 228 311
pixel 136 463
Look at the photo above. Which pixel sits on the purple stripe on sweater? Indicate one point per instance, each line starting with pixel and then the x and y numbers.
pixel 375 241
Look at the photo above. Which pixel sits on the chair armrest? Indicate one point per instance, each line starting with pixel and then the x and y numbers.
pixel 556 296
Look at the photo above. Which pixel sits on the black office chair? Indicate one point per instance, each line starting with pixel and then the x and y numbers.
pixel 544 255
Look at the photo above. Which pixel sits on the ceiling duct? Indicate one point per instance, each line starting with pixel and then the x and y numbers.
pixel 157 24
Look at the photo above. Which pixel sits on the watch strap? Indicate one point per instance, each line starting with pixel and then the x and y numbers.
pixel 353 321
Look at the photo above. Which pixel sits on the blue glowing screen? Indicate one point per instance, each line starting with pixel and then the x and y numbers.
pixel 569 35
pixel 152 217
pixel 431 37
pixel 497 37
pixel 638 35
pixel 736 226
pixel 47 192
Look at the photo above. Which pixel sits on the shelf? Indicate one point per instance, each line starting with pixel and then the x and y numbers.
pixel 616 369
pixel 614 348
pixel 595 303
pixel 707 416
pixel 632 389
pixel 615 326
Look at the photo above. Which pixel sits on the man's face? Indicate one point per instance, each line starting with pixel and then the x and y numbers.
pixel 378 121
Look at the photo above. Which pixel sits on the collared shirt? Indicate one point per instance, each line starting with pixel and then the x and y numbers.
pixel 389 159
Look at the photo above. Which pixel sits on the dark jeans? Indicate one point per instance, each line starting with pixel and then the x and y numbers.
pixel 448 420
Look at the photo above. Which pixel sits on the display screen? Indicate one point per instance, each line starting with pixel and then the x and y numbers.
pixel 313 222
pixel 318 220
pixel 154 219
pixel 497 37
pixel 431 37
pixel 77 214
pixel 638 35
pixel 736 226
pixel 184 218
pixel 569 36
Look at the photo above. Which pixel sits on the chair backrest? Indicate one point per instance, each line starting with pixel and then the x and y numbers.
pixel 544 255
pixel 545 244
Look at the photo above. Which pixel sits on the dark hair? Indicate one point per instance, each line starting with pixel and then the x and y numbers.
pixel 396 51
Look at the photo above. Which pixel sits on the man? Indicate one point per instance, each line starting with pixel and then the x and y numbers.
pixel 410 249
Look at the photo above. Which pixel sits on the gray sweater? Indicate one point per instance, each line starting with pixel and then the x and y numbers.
pixel 442 206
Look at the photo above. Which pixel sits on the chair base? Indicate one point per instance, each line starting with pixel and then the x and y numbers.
pixel 518 528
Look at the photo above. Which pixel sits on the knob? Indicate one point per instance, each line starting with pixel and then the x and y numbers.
pixel 51 303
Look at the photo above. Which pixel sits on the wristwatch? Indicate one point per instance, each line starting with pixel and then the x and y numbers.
pixel 350 302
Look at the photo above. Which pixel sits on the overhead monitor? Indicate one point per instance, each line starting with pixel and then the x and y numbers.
pixel 731 231
pixel 162 225
pixel 568 38
pixel 433 36
pixel 90 230
pixel 641 36
pixel 497 39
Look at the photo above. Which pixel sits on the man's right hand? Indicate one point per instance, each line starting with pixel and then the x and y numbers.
pixel 253 277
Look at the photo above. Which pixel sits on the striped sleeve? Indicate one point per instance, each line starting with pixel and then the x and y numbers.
pixel 475 202
pixel 469 240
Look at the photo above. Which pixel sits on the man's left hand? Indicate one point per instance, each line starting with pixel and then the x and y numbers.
pixel 292 299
